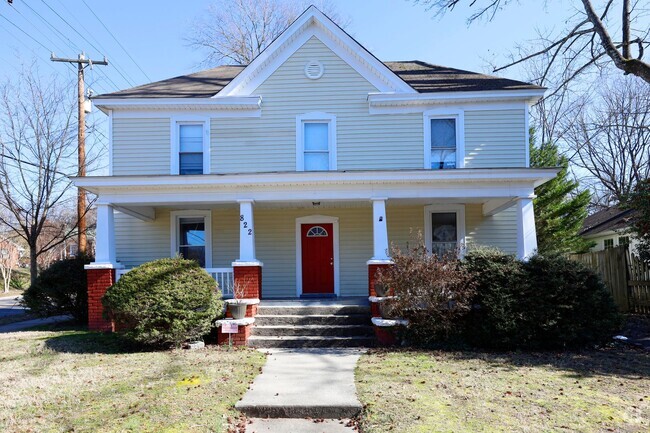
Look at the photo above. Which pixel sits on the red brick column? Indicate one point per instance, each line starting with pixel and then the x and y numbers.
pixel 251 278
pixel 372 279
pixel 238 339
pixel 385 336
pixel 99 280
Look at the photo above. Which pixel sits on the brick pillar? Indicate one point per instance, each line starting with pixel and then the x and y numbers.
pixel 99 280
pixel 251 278
pixel 238 339
pixel 372 276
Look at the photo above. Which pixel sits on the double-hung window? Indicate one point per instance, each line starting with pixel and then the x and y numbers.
pixel 316 142
pixel 191 236
pixel 444 228
pixel 190 146
pixel 444 144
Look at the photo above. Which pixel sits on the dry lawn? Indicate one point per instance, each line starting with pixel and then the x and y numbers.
pixel 593 391
pixel 76 381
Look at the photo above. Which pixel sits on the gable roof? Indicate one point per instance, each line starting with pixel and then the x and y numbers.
pixel 613 218
pixel 421 76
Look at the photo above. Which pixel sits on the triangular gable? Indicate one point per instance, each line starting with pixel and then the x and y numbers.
pixel 314 23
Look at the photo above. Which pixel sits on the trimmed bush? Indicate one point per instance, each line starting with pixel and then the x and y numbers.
pixel 60 289
pixel 432 292
pixel 164 303
pixel 545 303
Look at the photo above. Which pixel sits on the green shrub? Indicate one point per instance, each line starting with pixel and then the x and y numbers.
pixel 546 302
pixel 433 293
pixel 164 303
pixel 60 289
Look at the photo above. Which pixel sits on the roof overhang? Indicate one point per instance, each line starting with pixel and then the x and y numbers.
pixel 336 185
pixel 383 100
pixel 237 103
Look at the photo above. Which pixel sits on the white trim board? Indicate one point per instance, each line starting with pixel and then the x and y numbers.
pixel 207 216
pixel 317 219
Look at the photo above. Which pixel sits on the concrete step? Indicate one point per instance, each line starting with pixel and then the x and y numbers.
pixel 305 309
pixel 313 330
pixel 303 341
pixel 327 319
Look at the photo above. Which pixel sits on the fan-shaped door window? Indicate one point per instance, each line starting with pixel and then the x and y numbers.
pixel 317 232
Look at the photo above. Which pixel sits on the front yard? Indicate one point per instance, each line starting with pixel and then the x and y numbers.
pixel 592 391
pixel 63 381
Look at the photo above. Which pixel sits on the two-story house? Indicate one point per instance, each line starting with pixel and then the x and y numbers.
pixel 296 172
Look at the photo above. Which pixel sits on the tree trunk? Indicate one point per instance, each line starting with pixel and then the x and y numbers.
pixel 33 265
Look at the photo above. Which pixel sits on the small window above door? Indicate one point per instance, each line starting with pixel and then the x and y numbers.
pixel 317 232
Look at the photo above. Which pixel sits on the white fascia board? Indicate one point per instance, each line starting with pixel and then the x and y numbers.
pixel 392 100
pixel 314 23
pixel 220 103
pixel 463 183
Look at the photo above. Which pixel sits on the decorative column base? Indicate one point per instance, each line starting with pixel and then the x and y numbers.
pixel 386 330
pixel 249 275
pixel 373 267
pixel 99 280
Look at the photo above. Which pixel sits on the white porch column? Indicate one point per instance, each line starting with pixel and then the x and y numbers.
pixel 380 231
pixel 526 234
pixel 105 236
pixel 246 233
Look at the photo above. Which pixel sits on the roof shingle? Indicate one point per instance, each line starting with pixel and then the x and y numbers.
pixel 422 76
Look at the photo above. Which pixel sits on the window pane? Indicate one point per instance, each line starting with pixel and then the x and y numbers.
pixel 316 161
pixel 443 227
pixel 191 138
pixel 443 158
pixel 443 133
pixel 316 136
pixel 192 239
pixel 193 253
pixel 190 163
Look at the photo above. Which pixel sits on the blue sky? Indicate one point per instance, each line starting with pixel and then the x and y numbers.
pixel 152 33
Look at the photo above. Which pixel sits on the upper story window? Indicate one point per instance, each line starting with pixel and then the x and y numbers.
pixel 608 243
pixel 624 240
pixel 315 142
pixel 443 144
pixel 190 146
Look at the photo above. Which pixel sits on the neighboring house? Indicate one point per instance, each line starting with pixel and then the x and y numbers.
pixel 609 228
pixel 308 163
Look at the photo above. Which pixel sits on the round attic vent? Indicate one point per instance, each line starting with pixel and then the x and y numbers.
pixel 314 70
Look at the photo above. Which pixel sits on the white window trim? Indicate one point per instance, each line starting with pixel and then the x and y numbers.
pixel 317 219
pixel 317 117
pixel 178 120
pixel 175 234
pixel 445 113
pixel 459 209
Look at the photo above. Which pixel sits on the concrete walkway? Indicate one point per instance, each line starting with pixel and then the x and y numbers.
pixel 304 383
pixel 10 306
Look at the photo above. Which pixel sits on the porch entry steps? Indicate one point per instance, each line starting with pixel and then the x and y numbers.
pixel 312 323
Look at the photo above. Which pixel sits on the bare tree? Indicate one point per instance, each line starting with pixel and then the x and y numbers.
pixel 237 31
pixel 611 139
pixel 37 154
pixel 588 40
pixel 9 258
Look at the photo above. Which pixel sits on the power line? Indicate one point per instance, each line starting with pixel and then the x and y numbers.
pixel 118 42
pixel 64 38
pixel 130 83
pixel 90 36
pixel 23 42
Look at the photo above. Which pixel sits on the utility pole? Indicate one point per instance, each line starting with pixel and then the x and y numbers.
pixel 82 63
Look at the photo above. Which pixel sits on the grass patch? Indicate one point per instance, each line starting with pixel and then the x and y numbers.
pixel 73 380
pixel 591 391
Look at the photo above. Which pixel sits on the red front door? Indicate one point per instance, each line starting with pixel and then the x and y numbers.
pixel 317 258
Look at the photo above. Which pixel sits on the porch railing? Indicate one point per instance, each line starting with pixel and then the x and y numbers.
pixel 224 277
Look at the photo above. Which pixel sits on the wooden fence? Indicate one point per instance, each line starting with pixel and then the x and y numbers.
pixel 626 276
